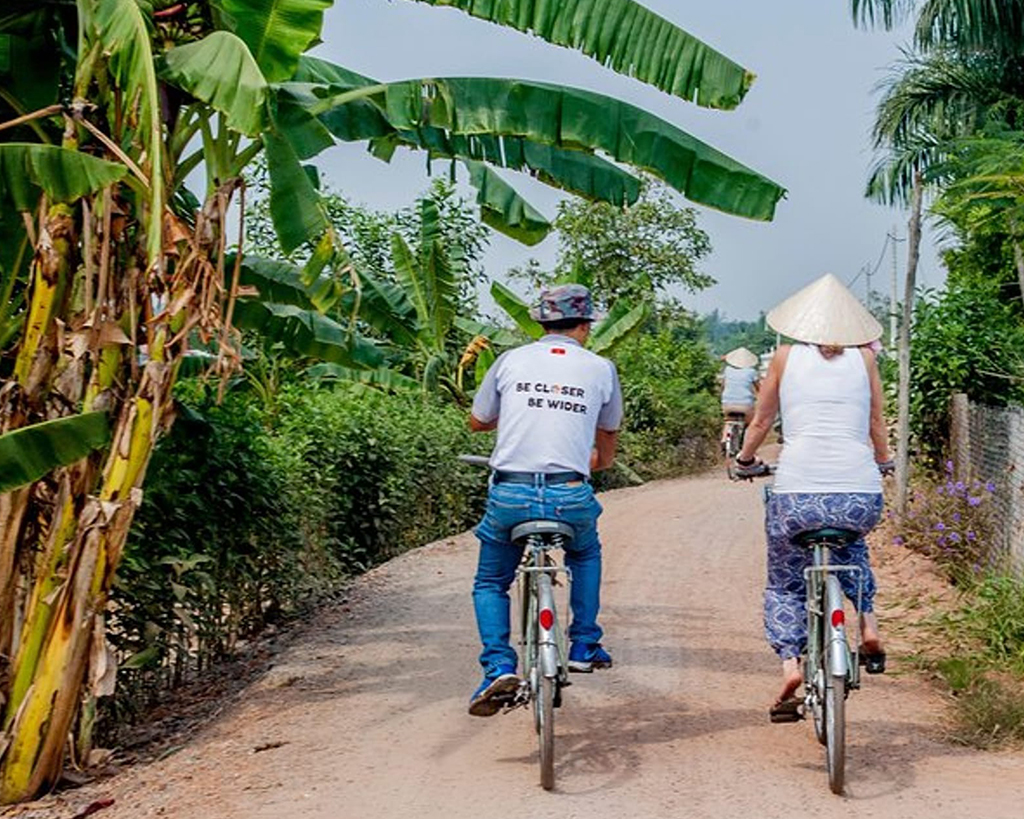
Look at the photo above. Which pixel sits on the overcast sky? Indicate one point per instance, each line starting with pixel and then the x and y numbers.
pixel 805 123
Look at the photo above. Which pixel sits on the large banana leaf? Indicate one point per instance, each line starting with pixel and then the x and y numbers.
pixel 503 209
pixel 220 70
pixel 559 116
pixel 307 333
pixel 384 306
pixel 517 309
pixel 276 281
pixel 627 38
pixel 123 30
pixel 295 207
pixel 28 453
pixel 276 31
pixel 621 321
pixel 64 174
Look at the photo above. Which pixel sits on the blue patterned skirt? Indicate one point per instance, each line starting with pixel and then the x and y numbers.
pixel 789 514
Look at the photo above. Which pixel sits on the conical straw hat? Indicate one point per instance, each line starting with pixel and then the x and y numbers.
pixel 741 357
pixel 826 313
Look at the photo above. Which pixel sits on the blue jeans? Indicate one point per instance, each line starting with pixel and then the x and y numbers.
pixel 507 505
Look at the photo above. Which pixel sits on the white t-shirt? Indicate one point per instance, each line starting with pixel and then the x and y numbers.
pixel 549 398
pixel 826 417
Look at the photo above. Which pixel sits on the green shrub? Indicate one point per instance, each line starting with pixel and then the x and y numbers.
pixel 249 518
pixel 672 410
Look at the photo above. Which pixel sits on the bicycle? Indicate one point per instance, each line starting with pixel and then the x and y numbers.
pixel 831 667
pixel 735 427
pixel 542 638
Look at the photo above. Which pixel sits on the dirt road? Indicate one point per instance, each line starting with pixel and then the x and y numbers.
pixel 366 718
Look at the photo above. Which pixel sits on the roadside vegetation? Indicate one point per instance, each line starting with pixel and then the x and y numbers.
pixel 949 145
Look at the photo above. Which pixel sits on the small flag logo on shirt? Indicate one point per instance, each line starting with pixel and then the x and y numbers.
pixel 558 351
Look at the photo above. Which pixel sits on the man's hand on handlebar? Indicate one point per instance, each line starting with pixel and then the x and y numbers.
pixel 887 467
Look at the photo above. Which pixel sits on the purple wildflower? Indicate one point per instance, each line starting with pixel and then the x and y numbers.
pixel 956 517
pixel 954 537
pixel 898 541
pixel 973 501
pixel 990 487
pixel 940 526
pixel 970 535
pixel 949 467
pixel 960 486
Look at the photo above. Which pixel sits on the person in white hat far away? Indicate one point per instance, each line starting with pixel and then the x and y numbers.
pixel 829 392
pixel 740 381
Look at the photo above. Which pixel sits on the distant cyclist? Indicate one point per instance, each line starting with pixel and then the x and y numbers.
pixel 740 381
pixel 557 408
pixel 830 394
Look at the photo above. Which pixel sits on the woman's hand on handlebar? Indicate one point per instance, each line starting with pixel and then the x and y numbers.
pixel 749 469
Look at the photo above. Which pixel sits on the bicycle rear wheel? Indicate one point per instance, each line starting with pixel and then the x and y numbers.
pixel 835 730
pixel 544 705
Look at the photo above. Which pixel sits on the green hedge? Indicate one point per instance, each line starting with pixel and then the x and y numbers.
pixel 250 517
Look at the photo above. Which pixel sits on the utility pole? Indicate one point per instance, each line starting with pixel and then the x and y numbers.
pixel 893 295
pixel 869 273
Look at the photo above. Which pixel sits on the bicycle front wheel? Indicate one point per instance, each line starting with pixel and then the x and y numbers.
pixel 545 710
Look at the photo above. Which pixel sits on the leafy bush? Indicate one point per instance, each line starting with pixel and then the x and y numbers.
pixel 672 409
pixel 969 339
pixel 250 517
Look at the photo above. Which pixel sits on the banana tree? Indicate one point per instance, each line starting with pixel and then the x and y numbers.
pixel 112 268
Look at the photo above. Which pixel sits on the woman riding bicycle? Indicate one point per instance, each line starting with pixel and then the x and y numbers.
pixel 829 392
pixel 739 386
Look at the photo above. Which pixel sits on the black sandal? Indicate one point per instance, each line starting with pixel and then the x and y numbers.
pixel 790 709
pixel 874 663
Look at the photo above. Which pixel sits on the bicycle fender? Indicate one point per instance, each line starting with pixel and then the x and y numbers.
pixel 839 662
pixel 547 643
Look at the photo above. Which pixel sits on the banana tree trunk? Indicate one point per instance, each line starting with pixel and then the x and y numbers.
pixel 903 399
pixel 63 537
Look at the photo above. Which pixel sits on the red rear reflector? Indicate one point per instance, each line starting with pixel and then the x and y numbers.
pixel 838 618
pixel 557 351
pixel 547 619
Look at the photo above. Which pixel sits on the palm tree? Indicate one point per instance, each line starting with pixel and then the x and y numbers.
pixel 114 268
pixel 966 73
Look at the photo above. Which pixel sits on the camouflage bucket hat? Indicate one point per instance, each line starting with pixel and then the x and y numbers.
pixel 564 301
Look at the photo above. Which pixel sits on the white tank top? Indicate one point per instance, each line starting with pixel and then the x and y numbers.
pixel 826 422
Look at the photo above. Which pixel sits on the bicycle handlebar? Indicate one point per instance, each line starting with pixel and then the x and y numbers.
pixel 759 470
pixel 476 460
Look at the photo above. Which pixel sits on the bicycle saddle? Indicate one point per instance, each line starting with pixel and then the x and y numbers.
pixel 542 527
pixel 827 536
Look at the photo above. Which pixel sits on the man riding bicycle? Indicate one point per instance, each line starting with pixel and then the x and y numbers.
pixel 557 408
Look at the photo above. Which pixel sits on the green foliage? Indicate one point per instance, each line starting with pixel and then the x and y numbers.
pixel 628 38
pixel 985 670
pixel 669 387
pixel 725 335
pixel 636 252
pixel 28 453
pixel 970 339
pixel 249 516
